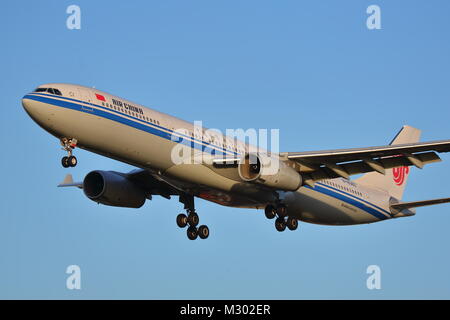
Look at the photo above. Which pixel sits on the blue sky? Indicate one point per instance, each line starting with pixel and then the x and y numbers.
pixel 310 68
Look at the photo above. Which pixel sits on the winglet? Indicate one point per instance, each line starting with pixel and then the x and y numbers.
pixel 68 182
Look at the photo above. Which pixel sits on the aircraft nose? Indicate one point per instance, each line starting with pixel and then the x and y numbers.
pixel 30 107
pixel 26 104
pixel 38 111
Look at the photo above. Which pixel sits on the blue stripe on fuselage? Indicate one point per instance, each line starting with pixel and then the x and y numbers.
pixel 41 94
pixel 74 104
pixel 348 200
pixel 357 198
pixel 119 117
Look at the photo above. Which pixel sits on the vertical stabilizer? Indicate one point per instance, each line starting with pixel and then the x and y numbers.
pixel 394 181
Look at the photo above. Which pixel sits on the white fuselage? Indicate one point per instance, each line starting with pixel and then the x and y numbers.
pixel 143 137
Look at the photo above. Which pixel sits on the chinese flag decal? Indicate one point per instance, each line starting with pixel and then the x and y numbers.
pixel 100 97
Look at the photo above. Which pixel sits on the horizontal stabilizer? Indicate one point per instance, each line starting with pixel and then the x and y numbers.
pixel 68 182
pixel 414 204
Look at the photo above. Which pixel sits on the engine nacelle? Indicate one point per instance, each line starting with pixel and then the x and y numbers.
pixel 112 189
pixel 269 171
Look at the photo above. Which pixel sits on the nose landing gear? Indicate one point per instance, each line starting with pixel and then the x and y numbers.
pixel 69 145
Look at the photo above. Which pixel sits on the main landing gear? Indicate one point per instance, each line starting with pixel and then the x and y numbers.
pixel 191 220
pixel 69 145
pixel 283 220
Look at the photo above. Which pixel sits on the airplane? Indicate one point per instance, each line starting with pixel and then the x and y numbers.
pixel 313 186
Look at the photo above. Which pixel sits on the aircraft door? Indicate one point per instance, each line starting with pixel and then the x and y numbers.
pixel 85 95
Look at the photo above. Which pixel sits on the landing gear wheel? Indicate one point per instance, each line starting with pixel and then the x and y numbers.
pixel 280 224
pixel 192 233
pixel 65 162
pixel 270 212
pixel 182 220
pixel 72 161
pixel 203 232
pixel 193 219
pixel 282 211
pixel 292 223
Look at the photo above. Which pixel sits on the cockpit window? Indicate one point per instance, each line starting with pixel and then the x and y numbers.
pixel 49 90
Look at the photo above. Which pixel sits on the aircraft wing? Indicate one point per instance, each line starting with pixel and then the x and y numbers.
pixel 151 183
pixel 329 164
pixel 143 178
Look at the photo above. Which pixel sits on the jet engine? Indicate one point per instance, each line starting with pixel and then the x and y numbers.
pixel 269 171
pixel 112 189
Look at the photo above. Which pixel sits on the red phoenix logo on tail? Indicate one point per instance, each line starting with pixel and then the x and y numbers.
pixel 400 175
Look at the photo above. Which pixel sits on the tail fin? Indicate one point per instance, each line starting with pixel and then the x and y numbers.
pixel 394 181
